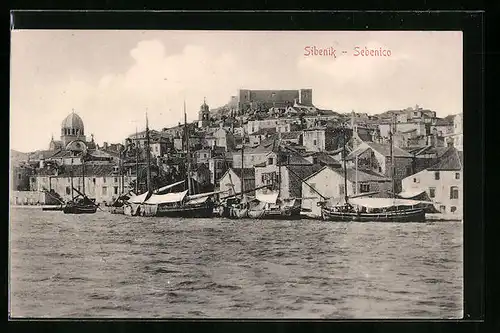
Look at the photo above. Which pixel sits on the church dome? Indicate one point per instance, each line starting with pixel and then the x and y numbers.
pixel 204 106
pixel 73 121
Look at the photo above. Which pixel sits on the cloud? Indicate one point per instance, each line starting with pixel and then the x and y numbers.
pixel 156 83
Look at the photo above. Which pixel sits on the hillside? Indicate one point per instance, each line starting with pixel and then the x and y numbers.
pixel 18 156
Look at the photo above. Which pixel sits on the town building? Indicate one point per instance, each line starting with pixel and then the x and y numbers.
pixel 102 182
pixel 443 182
pixel 284 175
pixel 254 155
pixel 376 157
pixel 328 184
pixel 456 139
pixel 266 99
pixel 20 176
pixel 256 138
pixel 231 180
pixel 325 138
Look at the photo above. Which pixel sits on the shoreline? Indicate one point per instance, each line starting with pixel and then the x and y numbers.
pixel 436 217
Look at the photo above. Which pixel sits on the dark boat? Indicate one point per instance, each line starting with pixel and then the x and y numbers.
pixel 82 206
pixel 395 212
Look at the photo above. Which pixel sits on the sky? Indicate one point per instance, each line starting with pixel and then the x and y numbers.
pixel 111 78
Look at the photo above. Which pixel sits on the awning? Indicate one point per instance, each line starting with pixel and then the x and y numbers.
pixel 411 194
pixel 164 188
pixel 267 197
pixel 202 195
pixel 138 198
pixel 197 201
pixel 157 199
pixel 384 202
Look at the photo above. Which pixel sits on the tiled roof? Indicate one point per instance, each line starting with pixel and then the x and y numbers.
pixel 324 158
pixel 297 173
pixel 264 131
pixel 90 170
pixel 443 122
pixel 294 159
pixel 248 173
pixel 385 149
pixel 291 135
pixel 352 175
pixel 451 160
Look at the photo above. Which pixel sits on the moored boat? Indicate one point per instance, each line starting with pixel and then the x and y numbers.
pixel 82 206
pixel 375 210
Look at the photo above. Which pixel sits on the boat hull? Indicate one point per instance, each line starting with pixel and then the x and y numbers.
pixel 53 208
pixel 407 215
pixel 186 211
pixel 79 209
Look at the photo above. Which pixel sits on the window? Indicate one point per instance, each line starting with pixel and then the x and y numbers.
pixel 457 175
pixel 103 179
pixel 415 180
pixel 18 176
pixel 341 189
pixel 93 180
pixel 116 189
pixel 270 161
pixel 432 192
pixel 115 179
pixel 314 142
pixel 379 169
pixel 453 209
pixel 436 175
pixel 454 192
pixel 442 209
pixel 269 178
pixel 104 190
pixel 364 188
pixel 68 190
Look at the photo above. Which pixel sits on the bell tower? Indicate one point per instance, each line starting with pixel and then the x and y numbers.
pixel 204 115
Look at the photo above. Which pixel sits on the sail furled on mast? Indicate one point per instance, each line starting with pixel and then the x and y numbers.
pixel 148 155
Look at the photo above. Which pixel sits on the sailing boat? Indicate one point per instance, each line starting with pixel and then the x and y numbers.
pixel 268 205
pixel 80 204
pixel 172 204
pixel 363 209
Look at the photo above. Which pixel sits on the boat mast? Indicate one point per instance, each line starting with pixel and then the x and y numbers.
pixel 122 154
pixel 71 177
pixel 148 157
pixel 83 172
pixel 279 164
pixel 136 162
pixel 344 152
pixel 242 164
pixel 391 155
pixel 188 157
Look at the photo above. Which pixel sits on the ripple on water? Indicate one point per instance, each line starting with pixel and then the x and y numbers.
pixel 115 266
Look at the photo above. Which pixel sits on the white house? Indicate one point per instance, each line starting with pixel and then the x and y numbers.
pixel 328 184
pixel 443 182
pixel 231 180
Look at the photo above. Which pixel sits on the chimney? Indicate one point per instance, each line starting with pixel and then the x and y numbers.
pixel 105 145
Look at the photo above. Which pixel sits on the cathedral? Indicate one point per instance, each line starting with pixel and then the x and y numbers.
pixel 72 128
